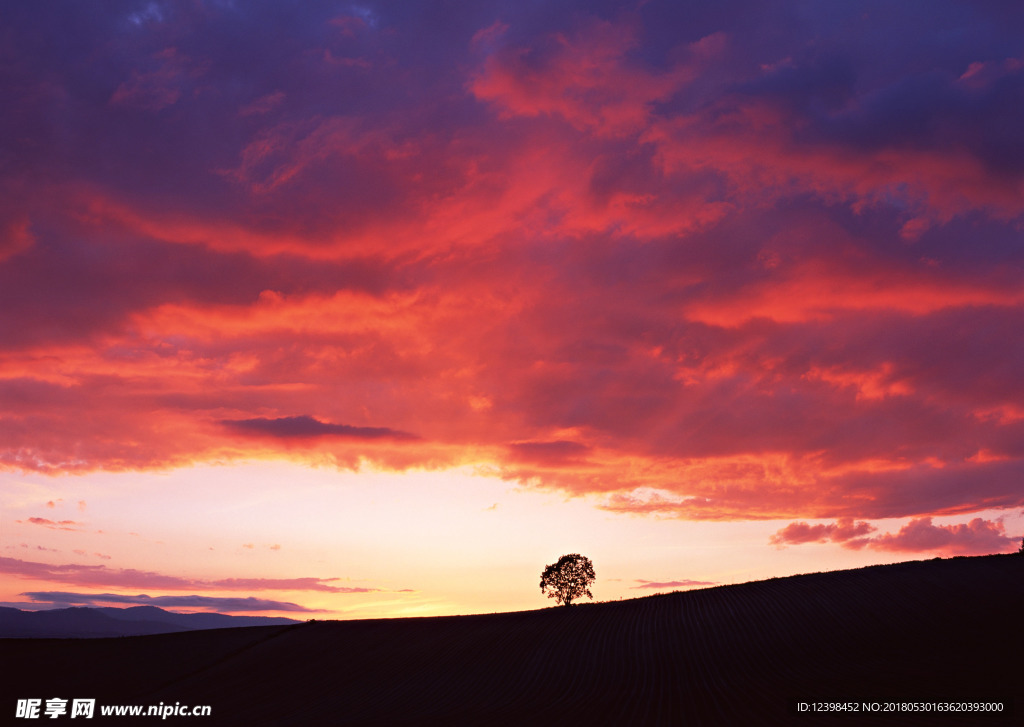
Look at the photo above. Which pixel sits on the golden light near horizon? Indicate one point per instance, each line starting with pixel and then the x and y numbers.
pixel 363 544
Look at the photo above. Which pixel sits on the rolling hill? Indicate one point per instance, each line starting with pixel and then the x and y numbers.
pixel 744 654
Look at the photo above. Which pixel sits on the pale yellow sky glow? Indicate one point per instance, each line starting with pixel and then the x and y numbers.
pixel 417 543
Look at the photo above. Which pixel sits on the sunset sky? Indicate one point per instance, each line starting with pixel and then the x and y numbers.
pixel 346 310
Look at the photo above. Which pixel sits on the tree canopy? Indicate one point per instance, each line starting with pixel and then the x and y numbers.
pixel 568 579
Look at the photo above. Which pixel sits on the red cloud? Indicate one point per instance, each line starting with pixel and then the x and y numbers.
pixel 816 292
pixel 705 269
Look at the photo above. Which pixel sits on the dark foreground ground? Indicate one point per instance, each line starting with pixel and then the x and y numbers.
pixel 946 630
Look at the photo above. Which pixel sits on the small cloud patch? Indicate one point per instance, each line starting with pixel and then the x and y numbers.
pixel 51 524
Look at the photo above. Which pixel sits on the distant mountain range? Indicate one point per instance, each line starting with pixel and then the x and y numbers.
pixel 65 623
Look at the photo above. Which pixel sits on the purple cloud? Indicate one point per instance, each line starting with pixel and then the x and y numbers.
pixel 300 427
pixel 210 603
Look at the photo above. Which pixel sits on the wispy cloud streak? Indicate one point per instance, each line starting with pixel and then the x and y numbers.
pixel 101 575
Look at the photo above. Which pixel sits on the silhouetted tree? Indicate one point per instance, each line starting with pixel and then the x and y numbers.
pixel 568 579
pixel 1021 551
